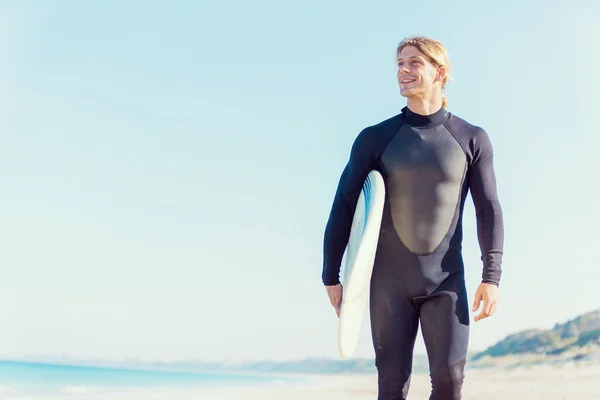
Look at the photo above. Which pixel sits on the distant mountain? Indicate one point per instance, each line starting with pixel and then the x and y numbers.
pixel 306 366
pixel 311 366
pixel 575 338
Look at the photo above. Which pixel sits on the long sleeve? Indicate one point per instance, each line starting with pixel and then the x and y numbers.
pixel 337 231
pixel 490 225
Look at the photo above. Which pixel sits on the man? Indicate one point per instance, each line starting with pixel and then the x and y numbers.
pixel 430 159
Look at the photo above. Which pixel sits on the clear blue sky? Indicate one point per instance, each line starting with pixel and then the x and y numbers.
pixel 167 168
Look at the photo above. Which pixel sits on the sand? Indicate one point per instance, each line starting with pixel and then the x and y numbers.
pixel 561 382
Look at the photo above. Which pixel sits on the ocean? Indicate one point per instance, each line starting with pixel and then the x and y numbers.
pixel 25 380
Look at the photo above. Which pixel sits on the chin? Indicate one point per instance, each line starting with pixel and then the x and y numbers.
pixel 405 92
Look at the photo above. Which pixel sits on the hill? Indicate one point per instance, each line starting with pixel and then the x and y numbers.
pixel 574 339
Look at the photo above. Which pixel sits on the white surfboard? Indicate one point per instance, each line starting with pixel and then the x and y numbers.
pixel 359 259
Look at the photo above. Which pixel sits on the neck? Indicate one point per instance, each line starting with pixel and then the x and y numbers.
pixel 429 120
pixel 425 106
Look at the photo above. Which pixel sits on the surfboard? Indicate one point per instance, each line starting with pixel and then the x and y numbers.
pixel 359 258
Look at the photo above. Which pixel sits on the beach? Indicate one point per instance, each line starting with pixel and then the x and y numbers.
pixel 562 381
pixel 544 382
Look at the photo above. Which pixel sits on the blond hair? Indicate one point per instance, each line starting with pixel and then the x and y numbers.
pixel 434 51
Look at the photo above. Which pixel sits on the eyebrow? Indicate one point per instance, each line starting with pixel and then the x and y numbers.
pixel 411 57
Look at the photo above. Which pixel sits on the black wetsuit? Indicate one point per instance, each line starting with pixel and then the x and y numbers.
pixel 429 163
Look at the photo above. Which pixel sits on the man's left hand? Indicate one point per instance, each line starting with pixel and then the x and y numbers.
pixel 488 293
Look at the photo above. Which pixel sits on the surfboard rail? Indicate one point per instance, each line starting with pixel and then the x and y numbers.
pixel 358 263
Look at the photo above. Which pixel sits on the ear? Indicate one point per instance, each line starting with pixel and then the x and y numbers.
pixel 441 74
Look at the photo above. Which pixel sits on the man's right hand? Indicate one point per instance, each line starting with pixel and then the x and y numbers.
pixel 335 296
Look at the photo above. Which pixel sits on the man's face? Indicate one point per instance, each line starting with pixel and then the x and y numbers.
pixel 417 76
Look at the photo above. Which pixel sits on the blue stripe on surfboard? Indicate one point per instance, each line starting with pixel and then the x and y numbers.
pixel 367 193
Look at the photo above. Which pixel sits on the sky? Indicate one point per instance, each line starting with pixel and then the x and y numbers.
pixel 167 168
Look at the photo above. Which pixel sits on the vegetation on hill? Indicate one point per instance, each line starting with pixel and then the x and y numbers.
pixel 583 330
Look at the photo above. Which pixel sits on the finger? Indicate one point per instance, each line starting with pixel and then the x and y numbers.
pixel 488 307
pixel 334 301
pixel 337 311
pixel 476 302
pixel 482 315
pixel 338 299
pixel 493 309
pixel 483 312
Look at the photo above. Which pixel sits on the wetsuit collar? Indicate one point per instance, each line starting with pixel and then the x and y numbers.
pixel 430 120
